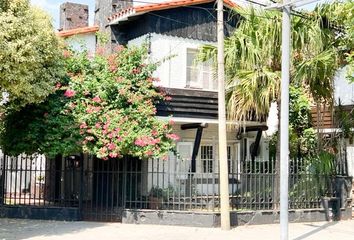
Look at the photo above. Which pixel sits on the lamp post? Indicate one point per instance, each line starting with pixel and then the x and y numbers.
pixel 223 170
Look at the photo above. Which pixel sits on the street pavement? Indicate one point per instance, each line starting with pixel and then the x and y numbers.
pixel 53 230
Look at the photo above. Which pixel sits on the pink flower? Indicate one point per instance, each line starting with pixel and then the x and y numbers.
pixel 96 109
pixel 89 138
pixel 103 150
pixel 168 98
pixel 100 51
pixel 171 122
pixel 119 48
pixel 172 136
pixel 155 141
pixel 136 70
pixel 66 53
pixel 139 142
pixel 96 99
pixel 83 125
pixel 112 68
pixel 105 127
pixel 149 153
pixel 113 155
pixel 111 146
pixel 119 79
pixel 154 133
pixel 97 125
pixel 69 93
pixel 57 86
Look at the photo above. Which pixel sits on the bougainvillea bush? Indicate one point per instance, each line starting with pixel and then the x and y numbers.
pixel 111 102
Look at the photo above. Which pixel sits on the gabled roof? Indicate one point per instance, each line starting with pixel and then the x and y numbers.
pixel 139 10
pixel 76 31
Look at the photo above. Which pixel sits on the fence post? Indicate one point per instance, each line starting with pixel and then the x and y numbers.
pixel 81 186
pixel 2 181
pixel 124 190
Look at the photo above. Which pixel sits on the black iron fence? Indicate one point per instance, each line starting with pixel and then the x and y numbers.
pixel 33 180
pixel 101 190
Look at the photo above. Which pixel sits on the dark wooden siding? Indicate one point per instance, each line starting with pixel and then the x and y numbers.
pixel 324 119
pixel 189 103
pixel 195 22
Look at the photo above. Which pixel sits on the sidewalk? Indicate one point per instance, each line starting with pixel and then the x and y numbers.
pixel 38 230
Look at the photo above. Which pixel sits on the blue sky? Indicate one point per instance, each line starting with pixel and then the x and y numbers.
pixel 52 6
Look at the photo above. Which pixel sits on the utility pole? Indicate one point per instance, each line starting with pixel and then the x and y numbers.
pixel 284 116
pixel 284 124
pixel 223 170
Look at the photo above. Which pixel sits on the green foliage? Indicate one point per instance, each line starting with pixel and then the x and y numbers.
pixel 299 109
pixel 105 106
pixel 41 128
pixel 30 57
pixel 253 58
pixel 345 120
pixel 340 15
pixel 113 99
pixel 303 138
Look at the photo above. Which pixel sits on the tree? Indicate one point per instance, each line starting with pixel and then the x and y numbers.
pixel 105 106
pixel 253 60
pixel 30 57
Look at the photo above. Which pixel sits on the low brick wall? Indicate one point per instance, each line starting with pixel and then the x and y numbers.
pixel 201 219
pixel 43 213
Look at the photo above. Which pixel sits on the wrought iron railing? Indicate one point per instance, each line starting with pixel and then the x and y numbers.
pixel 103 189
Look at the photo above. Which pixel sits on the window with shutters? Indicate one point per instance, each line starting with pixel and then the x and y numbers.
pixel 199 75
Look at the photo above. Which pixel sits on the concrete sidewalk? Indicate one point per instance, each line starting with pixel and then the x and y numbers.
pixel 34 229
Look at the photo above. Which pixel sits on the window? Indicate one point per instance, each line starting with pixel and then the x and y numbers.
pixel 183 163
pixel 199 75
pixel 207 158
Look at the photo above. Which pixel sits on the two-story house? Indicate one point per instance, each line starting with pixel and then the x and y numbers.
pixel 174 31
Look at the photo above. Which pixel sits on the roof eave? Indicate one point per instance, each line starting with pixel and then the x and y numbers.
pixel 125 17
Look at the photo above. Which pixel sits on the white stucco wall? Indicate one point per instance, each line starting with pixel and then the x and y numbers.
pixel 172 53
pixel 81 42
pixel 343 90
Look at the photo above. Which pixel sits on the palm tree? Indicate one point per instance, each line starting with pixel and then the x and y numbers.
pixel 253 61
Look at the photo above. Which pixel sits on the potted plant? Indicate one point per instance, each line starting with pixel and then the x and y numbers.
pixel 155 198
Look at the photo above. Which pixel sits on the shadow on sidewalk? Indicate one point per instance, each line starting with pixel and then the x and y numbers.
pixel 318 229
pixel 16 229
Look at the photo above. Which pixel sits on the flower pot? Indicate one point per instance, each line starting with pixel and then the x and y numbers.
pixel 155 202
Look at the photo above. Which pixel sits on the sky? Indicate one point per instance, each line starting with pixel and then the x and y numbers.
pixel 52 6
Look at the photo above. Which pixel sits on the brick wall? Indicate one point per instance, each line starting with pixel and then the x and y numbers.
pixel 73 15
pixel 103 10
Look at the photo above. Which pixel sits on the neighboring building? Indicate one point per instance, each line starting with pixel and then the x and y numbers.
pixel 326 119
pixel 73 15
pixel 80 38
pixel 104 9
pixel 74 27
